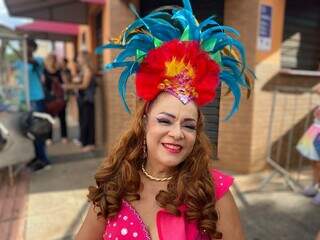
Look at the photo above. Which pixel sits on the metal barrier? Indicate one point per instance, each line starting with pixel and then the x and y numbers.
pixel 291 115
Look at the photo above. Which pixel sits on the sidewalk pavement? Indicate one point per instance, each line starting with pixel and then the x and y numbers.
pixel 51 204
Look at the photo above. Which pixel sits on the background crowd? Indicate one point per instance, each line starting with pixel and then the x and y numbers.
pixel 51 84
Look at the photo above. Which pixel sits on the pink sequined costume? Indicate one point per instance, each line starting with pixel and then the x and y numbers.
pixel 128 225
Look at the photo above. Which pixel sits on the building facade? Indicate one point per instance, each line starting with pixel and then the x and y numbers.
pixel 277 37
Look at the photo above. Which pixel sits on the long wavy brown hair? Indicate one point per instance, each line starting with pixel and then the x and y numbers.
pixel 118 178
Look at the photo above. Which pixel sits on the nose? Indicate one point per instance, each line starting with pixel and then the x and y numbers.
pixel 176 132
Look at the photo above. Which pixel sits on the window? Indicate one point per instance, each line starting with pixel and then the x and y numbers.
pixel 301 35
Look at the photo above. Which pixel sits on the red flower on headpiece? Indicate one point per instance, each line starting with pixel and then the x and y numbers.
pixel 181 68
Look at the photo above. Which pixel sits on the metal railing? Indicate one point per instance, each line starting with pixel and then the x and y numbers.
pixel 291 115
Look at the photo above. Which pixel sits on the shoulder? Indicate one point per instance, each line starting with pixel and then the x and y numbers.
pixel 222 182
pixel 93 226
pixel 40 61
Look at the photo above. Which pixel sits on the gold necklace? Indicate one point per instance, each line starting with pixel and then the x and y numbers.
pixel 154 178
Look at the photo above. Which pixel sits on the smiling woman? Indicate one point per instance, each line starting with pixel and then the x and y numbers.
pixel 170 132
pixel 157 182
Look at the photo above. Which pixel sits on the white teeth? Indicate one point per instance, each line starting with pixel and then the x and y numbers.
pixel 171 146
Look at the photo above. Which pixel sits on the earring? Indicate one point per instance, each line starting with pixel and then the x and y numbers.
pixel 144 148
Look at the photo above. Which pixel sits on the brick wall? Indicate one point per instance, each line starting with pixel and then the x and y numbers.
pixel 116 17
pixel 235 135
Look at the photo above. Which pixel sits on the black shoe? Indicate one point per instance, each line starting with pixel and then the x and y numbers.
pixel 38 165
pixel 33 161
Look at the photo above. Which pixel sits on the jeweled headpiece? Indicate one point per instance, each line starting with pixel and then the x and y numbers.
pixel 170 51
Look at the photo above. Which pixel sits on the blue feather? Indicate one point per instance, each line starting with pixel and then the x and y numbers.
pixel 220 36
pixel 113 65
pixel 187 5
pixel 165 28
pixel 187 18
pixel 99 50
pixel 241 50
pixel 211 30
pixel 154 26
pixel 232 42
pixel 130 52
pixel 235 90
pixel 161 14
pixel 134 10
pixel 208 21
pixel 232 64
pixel 122 85
pixel 139 44
pixel 143 38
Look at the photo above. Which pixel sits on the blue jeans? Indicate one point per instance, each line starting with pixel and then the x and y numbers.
pixel 40 145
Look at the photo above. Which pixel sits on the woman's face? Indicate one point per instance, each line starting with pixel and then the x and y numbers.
pixel 170 130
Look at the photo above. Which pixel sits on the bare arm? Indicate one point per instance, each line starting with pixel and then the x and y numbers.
pixel 87 76
pixel 92 227
pixel 229 223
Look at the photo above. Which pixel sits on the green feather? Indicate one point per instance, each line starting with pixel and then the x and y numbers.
pixel 209 44
pixel 216 57
pixel 157 42
pixel 186 34
pixel 140 55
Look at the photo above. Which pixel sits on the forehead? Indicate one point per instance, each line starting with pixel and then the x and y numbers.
pixel 165 102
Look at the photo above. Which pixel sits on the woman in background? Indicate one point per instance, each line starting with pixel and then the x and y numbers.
pixel 85 99
pixel 53 89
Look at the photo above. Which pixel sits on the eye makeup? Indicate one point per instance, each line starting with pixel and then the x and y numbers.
pixel 163 120
pixel 188 123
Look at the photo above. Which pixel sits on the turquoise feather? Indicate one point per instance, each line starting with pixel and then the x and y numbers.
pixel 235 90
pixel 100 49
pixel 208 21
pixel 187 5
pixel 113 65
pixel 122 86
pixel 150 32
pixel 218 29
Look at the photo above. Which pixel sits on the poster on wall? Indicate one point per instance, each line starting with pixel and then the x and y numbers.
pixel 265 23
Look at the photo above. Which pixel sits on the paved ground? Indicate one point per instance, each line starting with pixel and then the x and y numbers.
pixel 277 213
pixel 51 204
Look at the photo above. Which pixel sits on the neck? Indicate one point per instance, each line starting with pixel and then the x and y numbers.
pixel 157 170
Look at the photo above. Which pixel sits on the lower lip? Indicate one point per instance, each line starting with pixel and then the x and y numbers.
pixel 172 150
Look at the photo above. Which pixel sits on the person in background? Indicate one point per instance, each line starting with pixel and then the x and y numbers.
pixel 35 74
pixel 86 90
pixel 52 75
pixel 307 149
pixel 65 71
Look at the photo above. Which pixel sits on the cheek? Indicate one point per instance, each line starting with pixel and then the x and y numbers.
pixel 154 134
pixel 190 140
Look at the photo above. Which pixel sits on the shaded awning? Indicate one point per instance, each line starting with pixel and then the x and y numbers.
pixel 57 31
pixel 74 11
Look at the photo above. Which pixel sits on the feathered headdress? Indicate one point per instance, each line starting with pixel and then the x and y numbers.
pixel 170 51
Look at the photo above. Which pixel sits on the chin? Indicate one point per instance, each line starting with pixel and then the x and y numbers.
pixel 170 161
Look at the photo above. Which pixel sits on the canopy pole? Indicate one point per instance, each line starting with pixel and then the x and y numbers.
pixel 25 72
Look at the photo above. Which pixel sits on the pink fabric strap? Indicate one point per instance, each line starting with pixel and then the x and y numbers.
pixel 173 227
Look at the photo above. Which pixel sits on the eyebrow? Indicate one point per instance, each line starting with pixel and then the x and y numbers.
pixel 173 116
